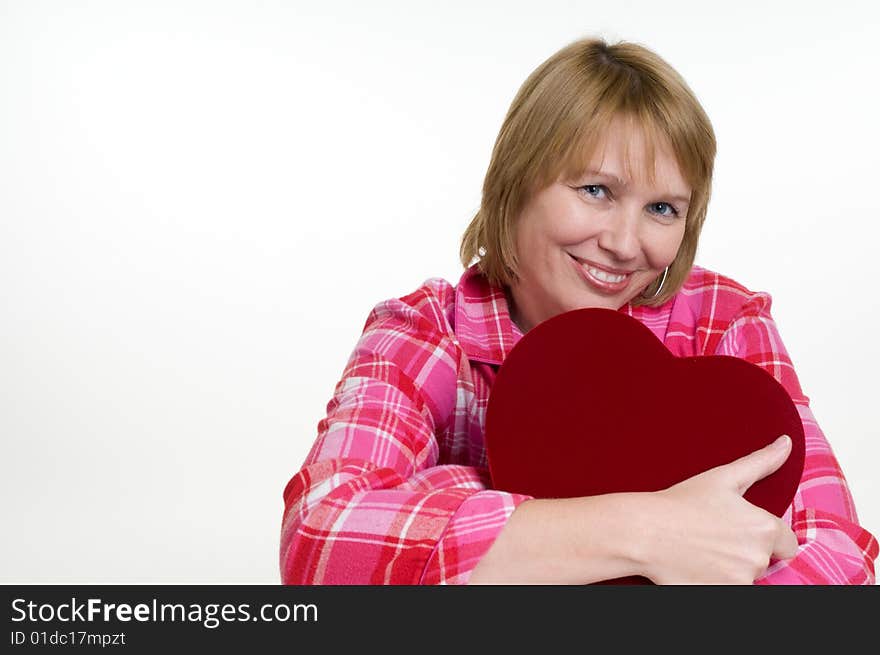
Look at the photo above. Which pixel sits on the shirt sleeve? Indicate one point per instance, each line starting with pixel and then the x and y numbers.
pixel 833 547
pixel 372 503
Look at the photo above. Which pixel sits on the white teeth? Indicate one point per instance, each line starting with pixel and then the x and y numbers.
pixel 605 277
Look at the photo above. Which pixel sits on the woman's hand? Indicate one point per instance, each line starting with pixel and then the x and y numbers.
pixel 699 531
pixel 702 530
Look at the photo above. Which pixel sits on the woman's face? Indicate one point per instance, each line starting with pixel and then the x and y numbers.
pixel 600 239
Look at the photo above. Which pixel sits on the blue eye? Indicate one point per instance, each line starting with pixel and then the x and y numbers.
pixel 663 209
pixel 595 190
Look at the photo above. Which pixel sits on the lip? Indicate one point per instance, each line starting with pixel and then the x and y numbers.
pixel 601 285
pixel 607 269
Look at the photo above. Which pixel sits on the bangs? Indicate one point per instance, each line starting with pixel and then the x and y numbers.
pixel 589 151
pixel 650 115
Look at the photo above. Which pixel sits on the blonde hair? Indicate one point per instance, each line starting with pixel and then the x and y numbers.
pixel 555 123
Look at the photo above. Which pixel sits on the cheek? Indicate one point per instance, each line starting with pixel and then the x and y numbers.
pixel 538 237
pixel 664 247
pixel 558 220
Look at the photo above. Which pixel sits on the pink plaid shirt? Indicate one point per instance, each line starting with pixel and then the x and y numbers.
pixel 396 487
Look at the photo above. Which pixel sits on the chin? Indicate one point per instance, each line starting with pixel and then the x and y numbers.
pixel 604 303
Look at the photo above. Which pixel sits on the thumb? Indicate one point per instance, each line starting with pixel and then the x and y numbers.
pixel 785 545
pixel 747 470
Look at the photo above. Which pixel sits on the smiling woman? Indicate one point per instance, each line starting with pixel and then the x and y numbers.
pixel 595 197
pixel 603 238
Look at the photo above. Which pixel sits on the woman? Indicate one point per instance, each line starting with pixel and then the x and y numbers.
pixel 595 197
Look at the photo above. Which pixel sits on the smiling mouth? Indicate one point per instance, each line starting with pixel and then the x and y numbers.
pixel 601 279
pixel 602 273
pixel 605 277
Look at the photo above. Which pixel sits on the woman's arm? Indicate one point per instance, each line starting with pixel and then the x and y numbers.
pixel 371 505
pixel 565 541
pixel 700 531
pixel 833 547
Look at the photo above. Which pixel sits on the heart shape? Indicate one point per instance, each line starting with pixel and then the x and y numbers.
pixel 591 402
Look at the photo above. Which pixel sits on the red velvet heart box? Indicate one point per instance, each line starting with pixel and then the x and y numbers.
pixel 591 402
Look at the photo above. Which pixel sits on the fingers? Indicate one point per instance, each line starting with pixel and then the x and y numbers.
pixel 786 544
pixel 747 470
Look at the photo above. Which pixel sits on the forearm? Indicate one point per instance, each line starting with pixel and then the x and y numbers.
pixel 346 522
pixel 566 541
pixel 835 549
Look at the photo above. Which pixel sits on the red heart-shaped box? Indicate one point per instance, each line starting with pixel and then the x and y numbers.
pixel 591 402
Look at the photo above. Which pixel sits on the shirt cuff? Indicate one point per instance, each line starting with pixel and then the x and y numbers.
pixel 470 533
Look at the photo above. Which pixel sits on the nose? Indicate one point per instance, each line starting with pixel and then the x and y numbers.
pixel 620 234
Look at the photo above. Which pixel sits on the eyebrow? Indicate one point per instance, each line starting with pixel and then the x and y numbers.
pixel 619 182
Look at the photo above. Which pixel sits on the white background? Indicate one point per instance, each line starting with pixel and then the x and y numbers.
pixel 200 202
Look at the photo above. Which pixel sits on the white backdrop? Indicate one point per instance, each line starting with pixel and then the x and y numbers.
pixel 200 202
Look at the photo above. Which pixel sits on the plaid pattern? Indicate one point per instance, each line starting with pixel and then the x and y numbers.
pixel 395 489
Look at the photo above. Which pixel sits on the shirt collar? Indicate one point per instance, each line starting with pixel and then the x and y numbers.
pixel 482 319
